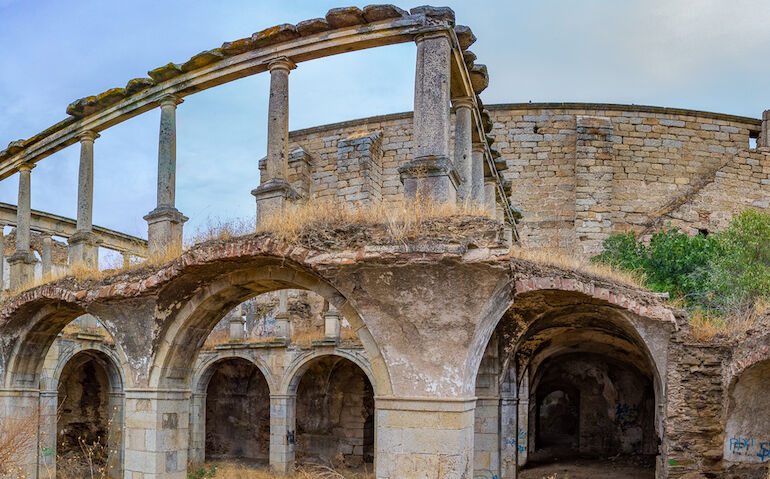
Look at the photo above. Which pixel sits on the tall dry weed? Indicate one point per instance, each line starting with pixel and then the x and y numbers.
pixel 17 439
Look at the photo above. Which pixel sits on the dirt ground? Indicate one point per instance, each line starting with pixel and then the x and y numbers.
pixel 622 468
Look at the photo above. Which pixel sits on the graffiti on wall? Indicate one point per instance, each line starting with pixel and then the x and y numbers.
pixel 519 442
pixel 748 447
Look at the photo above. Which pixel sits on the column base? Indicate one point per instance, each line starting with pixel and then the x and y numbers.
pixel 271 197
pixel 164 230
pixel 282 432
pixel 84 249
pixel 430 178
pixel 424 437
pixel 22 266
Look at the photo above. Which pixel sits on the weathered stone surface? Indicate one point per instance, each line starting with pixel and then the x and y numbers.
pixel 490 139
pixel 277 34
pixel 138 84
pixel 345 17
pixel 82 107
pixel 15 147
pixel 469 57
pixel 110 97
pixel 202 59
pixel 165 72
pixel 239 46
pixel 486 121
pixel 444 14
pixel 312 26
pixel 479 78
pixel 465 36
pixel 375 13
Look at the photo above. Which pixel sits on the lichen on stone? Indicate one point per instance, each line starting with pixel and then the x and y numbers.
pixel 345 17
pixel 277 34
pixel 312 26
pixel 202 59
pixel 236 47
pixel 82 107
pixel 376 13
pixel 444 14
pixel 138 84
pixel 166 72
pixel 110 97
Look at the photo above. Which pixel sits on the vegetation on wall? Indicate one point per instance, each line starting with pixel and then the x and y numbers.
pixel 723 276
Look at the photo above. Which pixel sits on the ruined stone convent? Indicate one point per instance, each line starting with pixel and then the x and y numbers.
pixel 443 358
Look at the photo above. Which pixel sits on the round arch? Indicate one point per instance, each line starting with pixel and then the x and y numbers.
pixel 106 357
pixel 203 373
pixel 294 372
pixel 186 331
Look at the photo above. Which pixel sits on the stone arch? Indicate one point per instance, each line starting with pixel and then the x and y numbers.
pixel 36 318
pixel 295 370
pixel 184 334
pixel 71 362
pixel 202 374
pixel 747 427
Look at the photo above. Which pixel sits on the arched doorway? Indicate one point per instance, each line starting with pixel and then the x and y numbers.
pixel 237 413
pixel 335 414
pixel 89 419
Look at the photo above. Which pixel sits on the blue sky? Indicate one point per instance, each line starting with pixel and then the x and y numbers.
pixel 700 54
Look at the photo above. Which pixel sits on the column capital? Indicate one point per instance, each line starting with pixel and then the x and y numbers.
pixel 766 115
pixel 26 166
pixel 88 135
pixel 281 63
pixel 283 396
pixel 434 34
pixel 169 100
pixel 463 102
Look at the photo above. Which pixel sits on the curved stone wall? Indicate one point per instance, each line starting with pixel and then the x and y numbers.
pixel 578 172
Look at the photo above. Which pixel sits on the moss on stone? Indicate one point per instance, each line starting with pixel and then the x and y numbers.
pixel 202 59
pixel 236 47
pixel 165 72
pixel 138 84
pixel 110 97
pixel 82 107
pixel 273 35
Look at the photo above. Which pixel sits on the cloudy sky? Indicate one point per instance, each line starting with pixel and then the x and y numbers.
pixel 700 54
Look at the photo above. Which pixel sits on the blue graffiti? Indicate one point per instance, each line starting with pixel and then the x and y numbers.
pixel 517 442
pixel 739 443
pixel 765 452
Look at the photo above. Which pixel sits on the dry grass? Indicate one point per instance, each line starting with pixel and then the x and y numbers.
pixel 219 230
pixel 235 471
pixel 706 328
pixel 17 438
pixel 561 259
pixel 402 220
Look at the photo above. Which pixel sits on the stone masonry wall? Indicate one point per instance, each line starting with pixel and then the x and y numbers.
pixel 580 172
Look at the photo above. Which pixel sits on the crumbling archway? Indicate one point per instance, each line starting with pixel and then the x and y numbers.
pixel 747 431
pixel 334 410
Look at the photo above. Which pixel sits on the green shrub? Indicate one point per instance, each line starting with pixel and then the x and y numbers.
pixel 203 473
pixel 724 273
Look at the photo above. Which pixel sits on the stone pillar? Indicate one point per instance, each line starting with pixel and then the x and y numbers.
pixel 424 437
pixel 274 189
pixel 764 134
pixel 126 259
pixel 430 174
pixel 477 174
pixel 17 405
pixel 237 333
pixel 115 434
pixel 46 254
pixel 157 433
pixel 463 155
pixel 490 197
pixel 165 222
pixel 83 247
pixel 509 441
pixel 332 324
pixel 2 258
pixel 22 262
pixel 198 427
pixel 282 327
pixel 49 401
pixel 282 432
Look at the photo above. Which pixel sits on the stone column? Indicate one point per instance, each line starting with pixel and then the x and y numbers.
pixel 510 436
pixel 332 324
pixel 126 259
pixel 2 258
pixel 46 254
pixel 274 189
pixel 157 433
pixel 764 134
pixel 165 222
pixel 83 247
pixel 430 174
pixel 198 428
pixel 282 432
pixel 237 333
pixel 49 401
pixel 490 197
pixel 282 327
pixel 477 174
pixel 424 437
pixel 463 155
pixel 486 438
pixel 22 262
pixel 115 438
